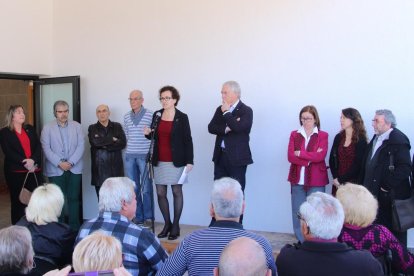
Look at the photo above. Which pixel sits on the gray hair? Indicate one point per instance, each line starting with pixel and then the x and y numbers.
pixel 114 190
pixel 59 103
pixel 234 86
pixel 389 118
pixel 16 250
pixel 323 214
pixel 243 256
pixel 45 205
pixel 227 198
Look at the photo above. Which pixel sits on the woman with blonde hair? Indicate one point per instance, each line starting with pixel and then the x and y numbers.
pixel 52 241
pixel 360 232
pixel 97 252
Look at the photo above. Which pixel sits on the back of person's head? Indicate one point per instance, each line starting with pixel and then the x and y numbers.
pixel 97 252
pixel 323 215
pixel 114 191
pixel 243 257
pixel 360 206
pixel 227 198
pixel 45 205
pixel 16 251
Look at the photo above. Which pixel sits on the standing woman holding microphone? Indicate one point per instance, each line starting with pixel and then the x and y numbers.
pixel 22 149
pixel 308 173
pixel 173 153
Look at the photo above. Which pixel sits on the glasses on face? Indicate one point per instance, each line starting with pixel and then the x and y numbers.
pixel 62 111
pixel 134 99
pixel 306 119
pixel 299 216
pixel 165 99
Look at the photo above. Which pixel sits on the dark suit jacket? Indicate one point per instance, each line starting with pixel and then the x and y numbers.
pixel 13 150
pixel 237 140
pixel 326 258
pixel 181 140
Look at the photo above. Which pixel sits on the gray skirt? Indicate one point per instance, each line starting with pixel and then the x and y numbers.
pixel 165 173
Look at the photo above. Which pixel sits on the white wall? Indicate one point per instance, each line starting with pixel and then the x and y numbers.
pixel 26 36
pixel 285 54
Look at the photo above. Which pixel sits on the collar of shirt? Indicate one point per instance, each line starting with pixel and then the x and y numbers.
pixel 233 106
pixel 302 131
pixel 385 135
pixel 227 224
pixel 64 125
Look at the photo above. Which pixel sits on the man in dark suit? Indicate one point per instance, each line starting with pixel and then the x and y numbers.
pixel 232 123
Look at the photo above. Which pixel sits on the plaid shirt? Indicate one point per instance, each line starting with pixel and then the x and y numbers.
pixel 142 251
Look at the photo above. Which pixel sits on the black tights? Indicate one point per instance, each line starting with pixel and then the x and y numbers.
pixel 164 206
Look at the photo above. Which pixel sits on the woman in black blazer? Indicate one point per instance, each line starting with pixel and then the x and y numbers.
pixel 173 153
pixel 22 149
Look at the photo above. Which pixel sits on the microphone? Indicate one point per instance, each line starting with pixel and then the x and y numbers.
pixel 156 120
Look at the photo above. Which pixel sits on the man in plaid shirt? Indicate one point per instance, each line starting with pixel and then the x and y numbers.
pixel 142 251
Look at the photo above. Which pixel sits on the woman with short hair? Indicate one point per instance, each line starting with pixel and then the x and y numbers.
pixel 97 252
pixel 360 232
pixel 52 241
pixel 16 251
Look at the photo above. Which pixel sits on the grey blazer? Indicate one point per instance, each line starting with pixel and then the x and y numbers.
pixel 53 148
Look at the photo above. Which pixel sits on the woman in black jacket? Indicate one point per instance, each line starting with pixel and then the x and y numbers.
pixel 348 149
pixel 22 149
pixel 173 156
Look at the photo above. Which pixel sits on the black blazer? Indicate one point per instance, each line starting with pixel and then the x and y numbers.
pixel 181 140
pixel 13 150
pixel 237 140
pixel 354 171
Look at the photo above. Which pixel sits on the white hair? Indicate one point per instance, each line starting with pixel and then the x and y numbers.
pixel 16 250
pixel 389 118
pixel 234 86
pixel 323 214
pixel 227 198
pixel 45 205
pixel 113 191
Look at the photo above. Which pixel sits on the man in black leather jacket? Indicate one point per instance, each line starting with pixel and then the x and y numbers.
pixel 387 167
pixel 107 140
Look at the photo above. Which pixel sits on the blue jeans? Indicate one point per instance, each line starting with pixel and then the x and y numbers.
pixel 135 169
pixel 298 197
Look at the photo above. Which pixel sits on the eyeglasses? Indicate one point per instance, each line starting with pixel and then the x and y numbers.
pixel 62 111
pixel 299 216
pixel 305 119
pixel 165 99
pixel 134 99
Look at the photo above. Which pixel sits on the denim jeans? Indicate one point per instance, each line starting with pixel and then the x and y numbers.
pixel 298 197
pixel 135 169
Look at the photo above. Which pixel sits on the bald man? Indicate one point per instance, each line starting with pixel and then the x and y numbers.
pixel 107 140
pixel 243 257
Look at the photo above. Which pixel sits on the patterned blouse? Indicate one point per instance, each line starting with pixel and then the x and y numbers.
pixel 378 240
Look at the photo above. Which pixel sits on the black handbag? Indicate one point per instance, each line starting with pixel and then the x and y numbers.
pixel 402 209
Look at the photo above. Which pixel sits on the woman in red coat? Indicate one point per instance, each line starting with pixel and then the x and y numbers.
pixel 307 150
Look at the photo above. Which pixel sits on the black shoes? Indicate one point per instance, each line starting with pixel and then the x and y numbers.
pixel 175 233
pixel 165 231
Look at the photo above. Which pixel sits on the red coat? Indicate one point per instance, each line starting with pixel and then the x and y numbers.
pixel 316 171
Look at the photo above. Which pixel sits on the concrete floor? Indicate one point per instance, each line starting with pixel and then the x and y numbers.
pixel 277 240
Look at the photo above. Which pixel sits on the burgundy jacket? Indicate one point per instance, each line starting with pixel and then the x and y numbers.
pixel 316 171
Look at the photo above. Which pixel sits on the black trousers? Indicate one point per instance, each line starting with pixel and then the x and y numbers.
pixel 384 216
pixel 223 168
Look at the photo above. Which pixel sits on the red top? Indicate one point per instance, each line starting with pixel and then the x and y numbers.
pixel 25 142
pixel 346 156
pixel 164 141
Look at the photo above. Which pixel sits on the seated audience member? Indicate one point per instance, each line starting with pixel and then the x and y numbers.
pixel 16 251
pixel 322 217
pixel 142 251
pixel 97 252
pixel 52 241
pixel 200 251
pixel 359 232
pixel 242 257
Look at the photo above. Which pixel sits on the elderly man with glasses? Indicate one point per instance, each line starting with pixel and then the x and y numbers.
pixel 322 217
pixel 135 156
